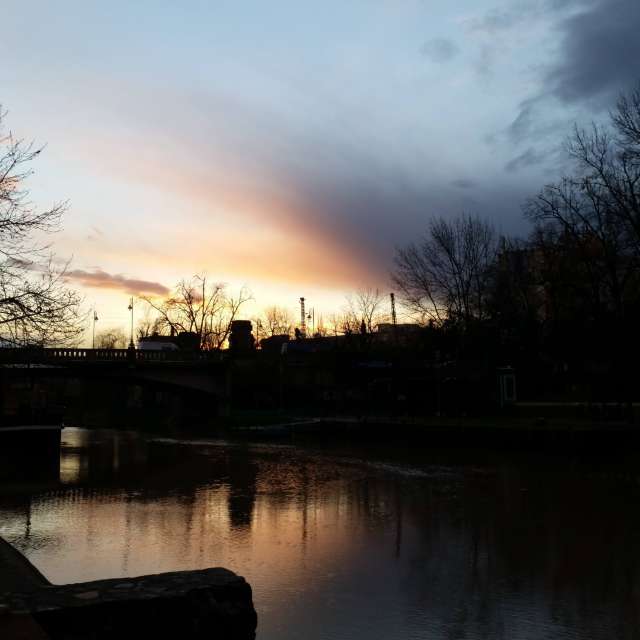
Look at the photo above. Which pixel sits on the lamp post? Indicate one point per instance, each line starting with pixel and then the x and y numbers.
pixel 312 317
pixel 130 307
pixel 93 333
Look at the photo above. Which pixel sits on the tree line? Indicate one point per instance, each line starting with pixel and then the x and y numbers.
pixel 568 293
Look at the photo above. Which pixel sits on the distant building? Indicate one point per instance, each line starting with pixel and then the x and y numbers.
pixel 273 344
pixel 184 341
pixel 241 339
pixel 158 343
pixel 402 333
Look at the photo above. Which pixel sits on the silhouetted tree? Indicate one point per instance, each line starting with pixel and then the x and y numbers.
pixel 594 213
pixel 322 330
pixel 149 324
pixel 626 121
pixel 200 307
pixel 447 275
pixel 343 323
pixel 36 305
pixel 276 321
pixel 585 252
pixel 365 306
pixel 112 338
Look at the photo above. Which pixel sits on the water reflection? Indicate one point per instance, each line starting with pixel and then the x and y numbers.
pixel 336 546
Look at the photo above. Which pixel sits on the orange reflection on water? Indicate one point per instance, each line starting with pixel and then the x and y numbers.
pixel 342 547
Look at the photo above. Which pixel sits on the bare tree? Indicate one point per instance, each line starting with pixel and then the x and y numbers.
pixel 112 338
pixel 322 330
pixel 36 306
pixel 626 121
pixel 595 211
pixel 276 321
pixel 150 324
pixel 200 307
pixel 334 324
pixel 364 309
pixel 447 275
pixel 343 323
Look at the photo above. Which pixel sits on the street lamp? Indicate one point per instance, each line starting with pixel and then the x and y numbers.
pixel 312 316
pixel 93 334
pixel 130 307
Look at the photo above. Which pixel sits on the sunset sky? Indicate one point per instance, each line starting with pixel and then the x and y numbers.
pixel 291 146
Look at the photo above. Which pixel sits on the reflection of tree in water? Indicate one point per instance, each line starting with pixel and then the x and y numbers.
pixel 505 553
pixel 243 473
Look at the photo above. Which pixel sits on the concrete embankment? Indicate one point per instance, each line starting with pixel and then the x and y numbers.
pixel 190 605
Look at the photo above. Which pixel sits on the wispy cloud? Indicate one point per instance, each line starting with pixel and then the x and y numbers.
pixel 528 158
pixel 102 280
pixel 464 183
pixel 440 50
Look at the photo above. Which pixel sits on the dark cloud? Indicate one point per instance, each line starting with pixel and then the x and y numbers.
pixel 533 123
pixel 440 50
pixel 521 126
pixel 500 19
pixel 527 158
pixel 494 27
pixel 464 183
pixel 103 280
pixel 600 50
pixel 514 14
pixel 373 214
pixel 497 29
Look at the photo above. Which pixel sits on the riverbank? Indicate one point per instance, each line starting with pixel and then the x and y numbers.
pixel 497 431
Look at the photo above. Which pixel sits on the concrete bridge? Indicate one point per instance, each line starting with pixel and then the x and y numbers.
pixel 96 386
pixel 200 370
pixel 77 355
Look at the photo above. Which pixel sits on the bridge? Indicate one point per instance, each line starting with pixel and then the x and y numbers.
pixel 199 370
pixel 138 385
pixel 66 355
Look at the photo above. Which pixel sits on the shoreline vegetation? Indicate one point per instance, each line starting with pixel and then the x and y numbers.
pixel 529 425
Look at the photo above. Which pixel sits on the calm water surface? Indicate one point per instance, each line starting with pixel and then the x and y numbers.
pixel 350 544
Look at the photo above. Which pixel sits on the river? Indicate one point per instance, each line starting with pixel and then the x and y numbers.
pixel 350 542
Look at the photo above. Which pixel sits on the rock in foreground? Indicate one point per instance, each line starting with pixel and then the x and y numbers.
pixel 185 605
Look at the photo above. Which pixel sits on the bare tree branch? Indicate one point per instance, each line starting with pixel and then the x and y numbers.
pixel 200 307
pixel 446 276
pixel 36 305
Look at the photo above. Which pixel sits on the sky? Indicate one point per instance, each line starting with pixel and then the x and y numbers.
pixel 292 147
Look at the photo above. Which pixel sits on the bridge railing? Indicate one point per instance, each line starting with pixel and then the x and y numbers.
pixel 85 354
pixel 67 354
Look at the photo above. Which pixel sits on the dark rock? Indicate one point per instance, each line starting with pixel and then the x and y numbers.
pixel 185 605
